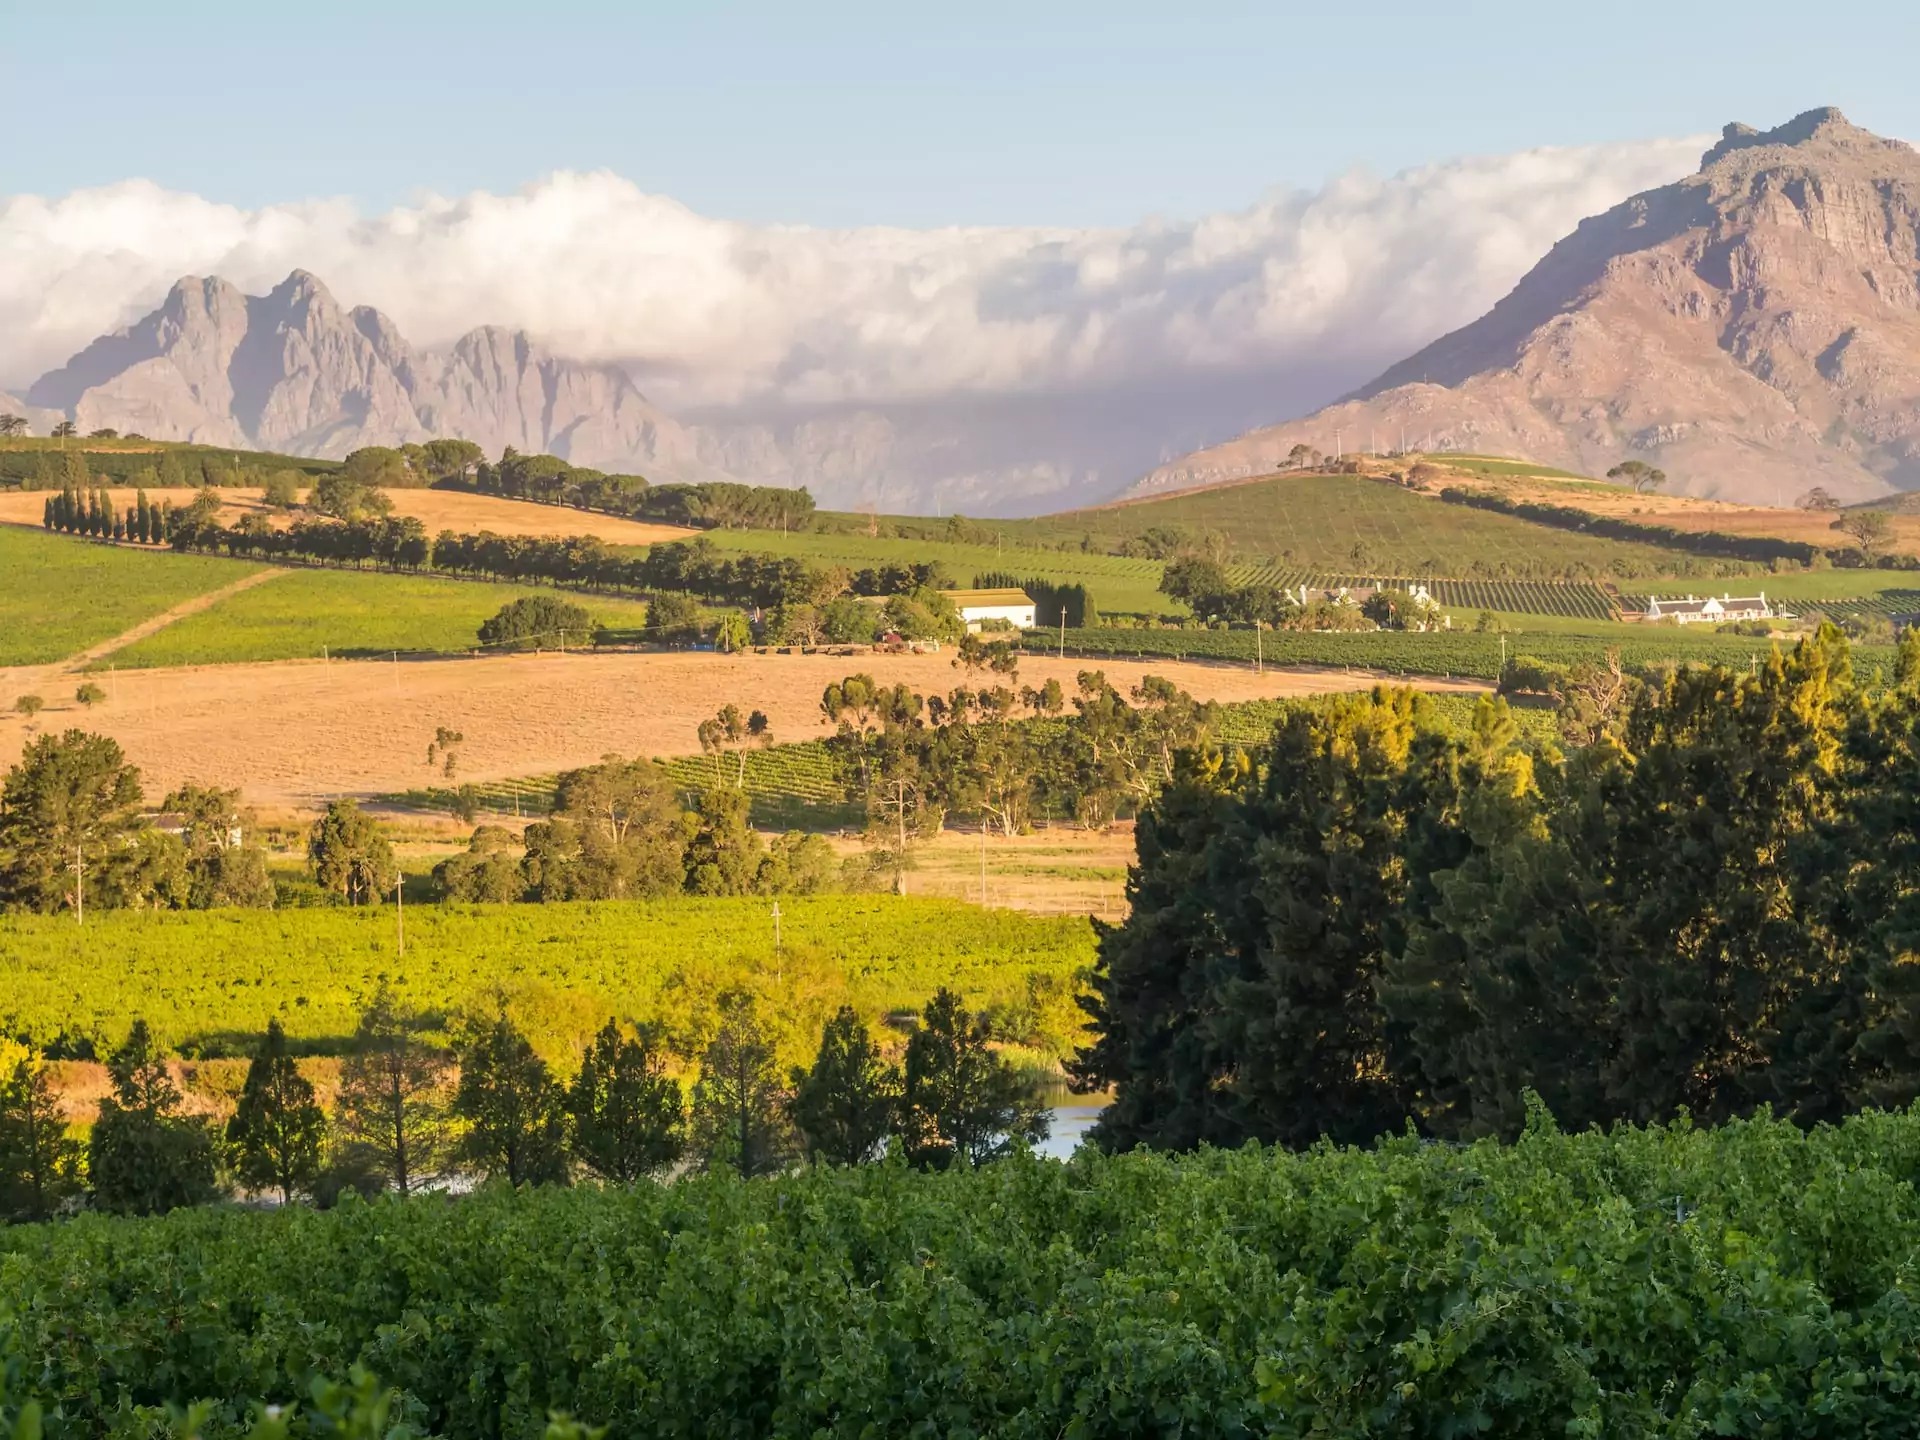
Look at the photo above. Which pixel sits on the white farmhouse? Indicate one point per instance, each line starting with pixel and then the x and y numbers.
pixel 1708 610
pixel 1016 607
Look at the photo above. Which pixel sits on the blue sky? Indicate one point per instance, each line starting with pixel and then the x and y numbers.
pixel 856 114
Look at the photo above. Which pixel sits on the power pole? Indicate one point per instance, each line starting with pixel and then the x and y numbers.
pixel 79 884
pixel 1259 656
pixel 776 930
pixel 1063 629
pixel 983 856
pixel 400 909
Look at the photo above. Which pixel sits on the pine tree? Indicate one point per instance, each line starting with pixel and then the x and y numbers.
pixel 278 1129
pixel 628 1114
pixel 844 1106
pixel 960 1100
pixel 40 1159
pixel 739 1115
pixel 144 1157
pixel 392 1110
pixel 515 1113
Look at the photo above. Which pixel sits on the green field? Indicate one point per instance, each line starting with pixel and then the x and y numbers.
pixel 1346 523
pixel 210 980
pixel 1117 583
pixel 1753 1280
pixel 59 595
pixel 349 612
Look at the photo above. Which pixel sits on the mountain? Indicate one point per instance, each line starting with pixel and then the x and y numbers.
pixel 292 371
pixel 1753 330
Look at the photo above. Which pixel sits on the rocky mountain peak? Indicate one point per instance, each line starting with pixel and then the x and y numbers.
pixel 1753 329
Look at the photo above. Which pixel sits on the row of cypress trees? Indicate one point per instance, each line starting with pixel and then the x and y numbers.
pixel 75 511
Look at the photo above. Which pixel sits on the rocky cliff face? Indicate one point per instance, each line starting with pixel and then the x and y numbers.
pixel 1754 330
pixel 292 371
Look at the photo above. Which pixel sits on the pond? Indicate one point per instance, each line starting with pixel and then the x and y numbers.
pixel 1072 1118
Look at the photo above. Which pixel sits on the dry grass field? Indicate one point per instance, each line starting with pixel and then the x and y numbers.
pixel 1683 512
pixel 437 510
pixel 295 733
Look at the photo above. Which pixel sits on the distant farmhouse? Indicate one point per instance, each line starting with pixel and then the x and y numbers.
pixel 1709 611
pixel 976 607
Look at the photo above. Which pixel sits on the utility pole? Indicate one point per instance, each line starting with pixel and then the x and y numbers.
pixel 1063 629
pixel 776 930
pixel 79 884
pixel 983 857
pixel 1259 656
pixel 400 910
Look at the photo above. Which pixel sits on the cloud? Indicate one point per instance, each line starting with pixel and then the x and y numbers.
pixel 715 313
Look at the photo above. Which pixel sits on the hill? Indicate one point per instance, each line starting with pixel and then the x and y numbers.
pixel 1753 329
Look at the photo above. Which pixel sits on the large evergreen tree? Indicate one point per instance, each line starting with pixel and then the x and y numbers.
pixel 392 1111
pixel 844 1106
pixel 278 1129
pixel 959 1099
pixel 68 814
pixel 40 1158
pixel 144 1156
pixel 514 1112
pixel 739 1119
pixel 628 1114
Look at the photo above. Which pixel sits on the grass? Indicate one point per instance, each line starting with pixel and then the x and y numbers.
pixel 59 595
pixel 1348 523
pixel 349 613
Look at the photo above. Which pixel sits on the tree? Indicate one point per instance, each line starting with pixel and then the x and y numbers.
pixel 739 1117
pixel 515 1113
pixel 68 814
pixel 144 1157
pixel 733 634
pixel 617 832
pixel 1872 529
pixel 1637 473
pixel 729 730
pixel 349 854
pixel 487 873
pixel 345 498
pixel 392 1111
pixel 376 467
pixel 628 1114
pixel 64 430
pixel 1817 499
pixel 12 425
pixel 959 1099
pixel 278 1128
pixel 673 619
pixel 538 621
pixel 844 1105
pixel 224 862
pixel 40 1160
pixel 281 489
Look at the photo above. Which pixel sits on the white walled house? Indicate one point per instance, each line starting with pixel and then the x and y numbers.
pixel 1016 607
pixel 1708 610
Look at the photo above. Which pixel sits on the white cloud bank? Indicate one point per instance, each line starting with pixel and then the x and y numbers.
pixel 711 312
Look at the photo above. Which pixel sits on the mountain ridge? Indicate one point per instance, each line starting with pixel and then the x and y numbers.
pixel 1753 329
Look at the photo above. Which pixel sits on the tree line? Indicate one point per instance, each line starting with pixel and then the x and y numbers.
pixel 714 505
pixel 412 1113
pixel 1703 903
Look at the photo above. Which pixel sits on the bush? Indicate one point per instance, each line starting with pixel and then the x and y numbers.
pixel 538 621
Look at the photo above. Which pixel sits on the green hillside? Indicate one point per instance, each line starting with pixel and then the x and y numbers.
pixel 1351 523
pixel 30 460
pixel 348 612
pixel 59 595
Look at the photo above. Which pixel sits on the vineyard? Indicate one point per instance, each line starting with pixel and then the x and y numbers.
pixel 209 981
pixel 1577 600
pixel 1880 602
pixel 1752 1280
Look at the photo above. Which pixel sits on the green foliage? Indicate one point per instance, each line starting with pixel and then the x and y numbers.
pixel 628 1117
pixel 224 863
pixel 845 1105
pixel 516 1128
pixel 538 621
pixel 487 873
pixel 278 1129
pixel 958 1100
pixel 349 854
pixel 392 1113
pixel 1747 1280
pixel 145 1157
pixel 617 832
pixel 68 813
pixel 40 1159
pixel 739 1115
pixel 346 497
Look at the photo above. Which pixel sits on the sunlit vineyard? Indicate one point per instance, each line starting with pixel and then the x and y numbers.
pixel 1580 600
pixel 1880 602
pixel 209 981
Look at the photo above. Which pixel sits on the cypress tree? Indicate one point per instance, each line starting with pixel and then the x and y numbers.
pixel 278 1128
pixel 515 1113
pixel 844 1106
pixel 46 513
pixel 142 517
pixel 628 1115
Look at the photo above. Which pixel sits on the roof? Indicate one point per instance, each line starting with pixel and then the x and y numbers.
pixel 1674 605
pixel 978 598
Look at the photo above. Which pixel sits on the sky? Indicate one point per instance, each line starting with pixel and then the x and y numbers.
pixel 839 114
pixel 1078 238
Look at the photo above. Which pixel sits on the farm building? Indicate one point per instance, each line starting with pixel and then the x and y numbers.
pixel 1016 607
pixel 1708 610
